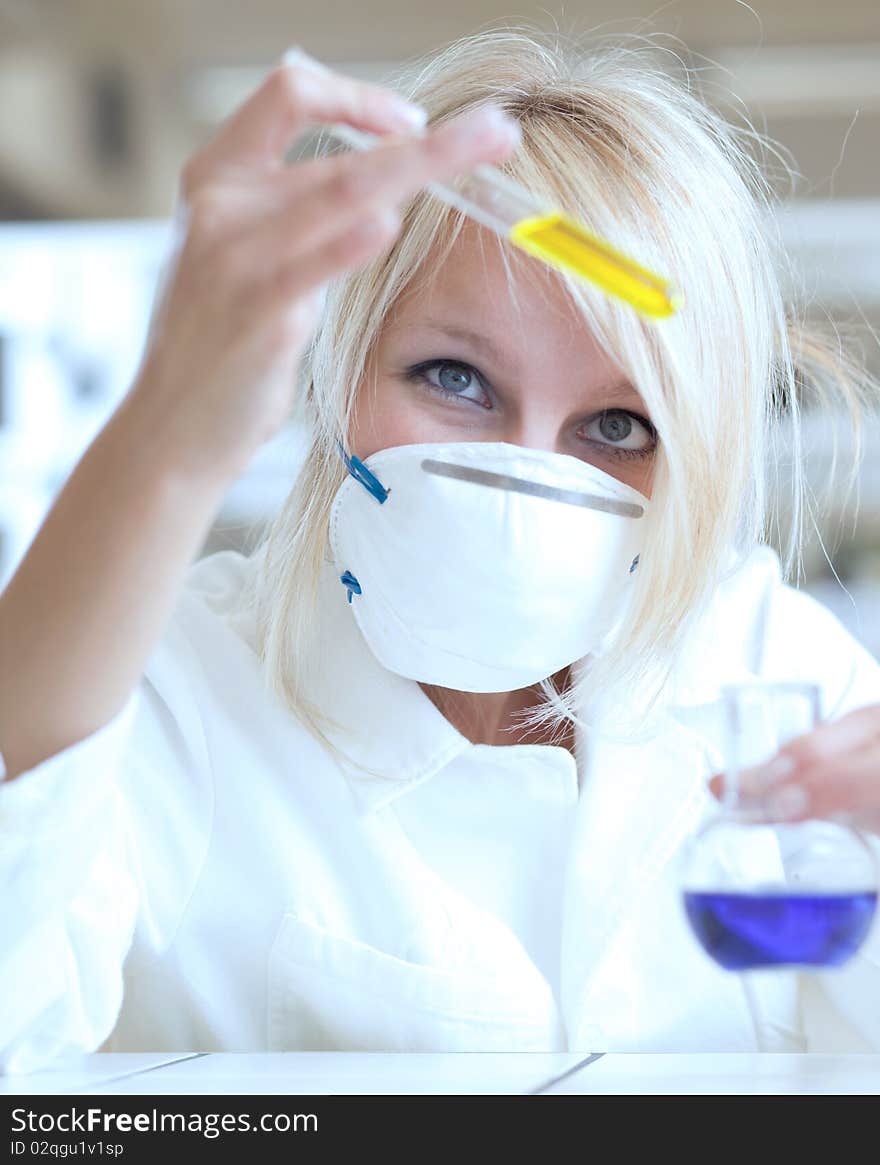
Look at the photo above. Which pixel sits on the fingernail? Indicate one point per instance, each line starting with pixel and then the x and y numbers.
pixel 787 803
pixel 412 116
pixel 320 298
pixel 489 121
pixel 298 56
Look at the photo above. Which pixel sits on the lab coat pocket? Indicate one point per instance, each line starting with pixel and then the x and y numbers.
pixel 330 992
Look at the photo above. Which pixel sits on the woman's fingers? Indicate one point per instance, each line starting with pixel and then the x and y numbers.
pixel 850 793
pixel 829 742
pixel 337 253
pixel 849 785
pixel 835 738
pixel 389 174
pixel 292 97
pixel 832 772
pixel 262 238
pixel 358 186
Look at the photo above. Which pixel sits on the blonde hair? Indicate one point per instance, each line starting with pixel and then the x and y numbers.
pixel 610 137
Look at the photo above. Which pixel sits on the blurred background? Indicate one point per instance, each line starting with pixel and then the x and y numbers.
pixel 101 101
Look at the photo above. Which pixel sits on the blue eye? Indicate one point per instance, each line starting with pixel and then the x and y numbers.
pixel 615 433
pixel 456 379
pixel 622 430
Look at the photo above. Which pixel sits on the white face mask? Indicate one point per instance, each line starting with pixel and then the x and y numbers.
pixel 487 566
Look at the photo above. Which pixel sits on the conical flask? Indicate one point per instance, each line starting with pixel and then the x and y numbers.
pixel 759 894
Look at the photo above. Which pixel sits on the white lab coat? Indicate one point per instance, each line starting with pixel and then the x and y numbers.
pixel 201 875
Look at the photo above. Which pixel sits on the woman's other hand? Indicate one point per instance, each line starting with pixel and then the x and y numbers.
pixel 832 772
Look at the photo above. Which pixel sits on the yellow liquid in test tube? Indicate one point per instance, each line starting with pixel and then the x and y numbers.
pixel 491 198
pixel 561 242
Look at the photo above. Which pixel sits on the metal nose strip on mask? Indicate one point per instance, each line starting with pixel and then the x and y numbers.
pixel 521 485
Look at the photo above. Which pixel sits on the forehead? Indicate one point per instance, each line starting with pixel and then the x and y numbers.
pixel 484 284
pixel 485 272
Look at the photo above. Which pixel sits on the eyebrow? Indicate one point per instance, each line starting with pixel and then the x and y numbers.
pixel 461 332
pixel 621 389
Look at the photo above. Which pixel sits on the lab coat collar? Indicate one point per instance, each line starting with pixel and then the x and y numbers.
pixel 388 735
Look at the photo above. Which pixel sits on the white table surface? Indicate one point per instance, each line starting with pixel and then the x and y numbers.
pixel 377 1073
pixel 747 1073
pixel 83 1073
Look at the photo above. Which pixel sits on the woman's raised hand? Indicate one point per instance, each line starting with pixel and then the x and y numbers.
pixel 261 238
pixel 218 377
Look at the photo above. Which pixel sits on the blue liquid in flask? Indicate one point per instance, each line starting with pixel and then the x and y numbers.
pixel 743 930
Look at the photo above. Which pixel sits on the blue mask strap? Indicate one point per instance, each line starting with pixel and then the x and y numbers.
pixel 350 583
pixel 360 473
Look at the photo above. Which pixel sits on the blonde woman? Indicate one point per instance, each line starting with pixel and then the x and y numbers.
pixel 417 773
